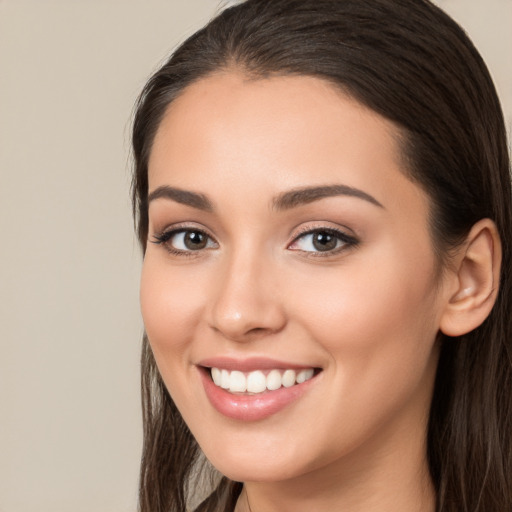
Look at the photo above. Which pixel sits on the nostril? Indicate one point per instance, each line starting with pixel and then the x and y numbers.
pixel 258 330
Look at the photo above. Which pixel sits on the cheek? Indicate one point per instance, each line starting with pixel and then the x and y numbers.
pixel 172 309
pixel 171 305
pixel 377 328
pixel 377 321
pixel 384 290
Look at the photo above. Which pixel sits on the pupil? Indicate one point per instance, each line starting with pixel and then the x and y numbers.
pixel 323 241
pixel 195 240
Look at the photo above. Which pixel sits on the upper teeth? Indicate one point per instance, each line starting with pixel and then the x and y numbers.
pixel 256 381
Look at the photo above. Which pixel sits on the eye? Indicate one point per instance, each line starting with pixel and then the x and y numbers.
pixel 179 241
pixel 322 240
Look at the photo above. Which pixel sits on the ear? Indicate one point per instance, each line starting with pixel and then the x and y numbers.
pixel 474 283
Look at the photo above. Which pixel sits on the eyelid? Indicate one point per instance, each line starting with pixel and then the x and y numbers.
pixel 181 226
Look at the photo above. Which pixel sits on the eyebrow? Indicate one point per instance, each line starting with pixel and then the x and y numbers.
pixel 285 201
pixel 186 197
pixel 306 195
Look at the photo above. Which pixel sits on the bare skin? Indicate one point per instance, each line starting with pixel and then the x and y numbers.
pixel 364 309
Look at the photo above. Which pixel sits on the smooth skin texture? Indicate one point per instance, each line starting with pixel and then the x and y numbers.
pixel 366 311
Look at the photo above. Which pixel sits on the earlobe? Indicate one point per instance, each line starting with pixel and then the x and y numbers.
pixel 475 280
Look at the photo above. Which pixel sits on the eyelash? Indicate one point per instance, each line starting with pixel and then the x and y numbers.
pixel 348 241
pixel 164 237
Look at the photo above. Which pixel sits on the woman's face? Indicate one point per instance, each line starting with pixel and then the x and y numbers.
pixel 287 244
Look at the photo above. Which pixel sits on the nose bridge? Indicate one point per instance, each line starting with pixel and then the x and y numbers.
pixel 246 302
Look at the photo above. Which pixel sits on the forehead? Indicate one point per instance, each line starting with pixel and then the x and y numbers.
pixel 229 109
pixel 227 130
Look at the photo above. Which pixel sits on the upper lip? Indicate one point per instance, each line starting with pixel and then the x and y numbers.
pixel 250 364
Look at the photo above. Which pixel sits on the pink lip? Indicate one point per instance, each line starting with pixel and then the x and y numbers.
pixel 249 365
pixel 252 407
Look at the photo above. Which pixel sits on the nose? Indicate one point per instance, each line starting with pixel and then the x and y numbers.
pixel 246 302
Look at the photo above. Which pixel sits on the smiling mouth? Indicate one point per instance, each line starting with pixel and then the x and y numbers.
pixel 259 381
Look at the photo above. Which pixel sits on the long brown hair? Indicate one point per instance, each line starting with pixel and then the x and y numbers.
pixel 411 63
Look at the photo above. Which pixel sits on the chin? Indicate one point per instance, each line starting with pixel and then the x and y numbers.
pixel 252 472
pixel 256 465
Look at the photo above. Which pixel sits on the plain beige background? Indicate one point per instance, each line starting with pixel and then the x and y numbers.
pixel 70 432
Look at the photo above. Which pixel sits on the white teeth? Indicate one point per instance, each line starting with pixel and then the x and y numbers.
pixel 224 379
pixel 256 381
pixel 288 378
pixel 304 375
pixel 216 376
pixel 237 382
pixel 274 380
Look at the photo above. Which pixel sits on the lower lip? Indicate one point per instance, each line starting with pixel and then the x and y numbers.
pixel 251 407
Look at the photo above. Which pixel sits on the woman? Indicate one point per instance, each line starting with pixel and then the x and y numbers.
pixel 322 195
